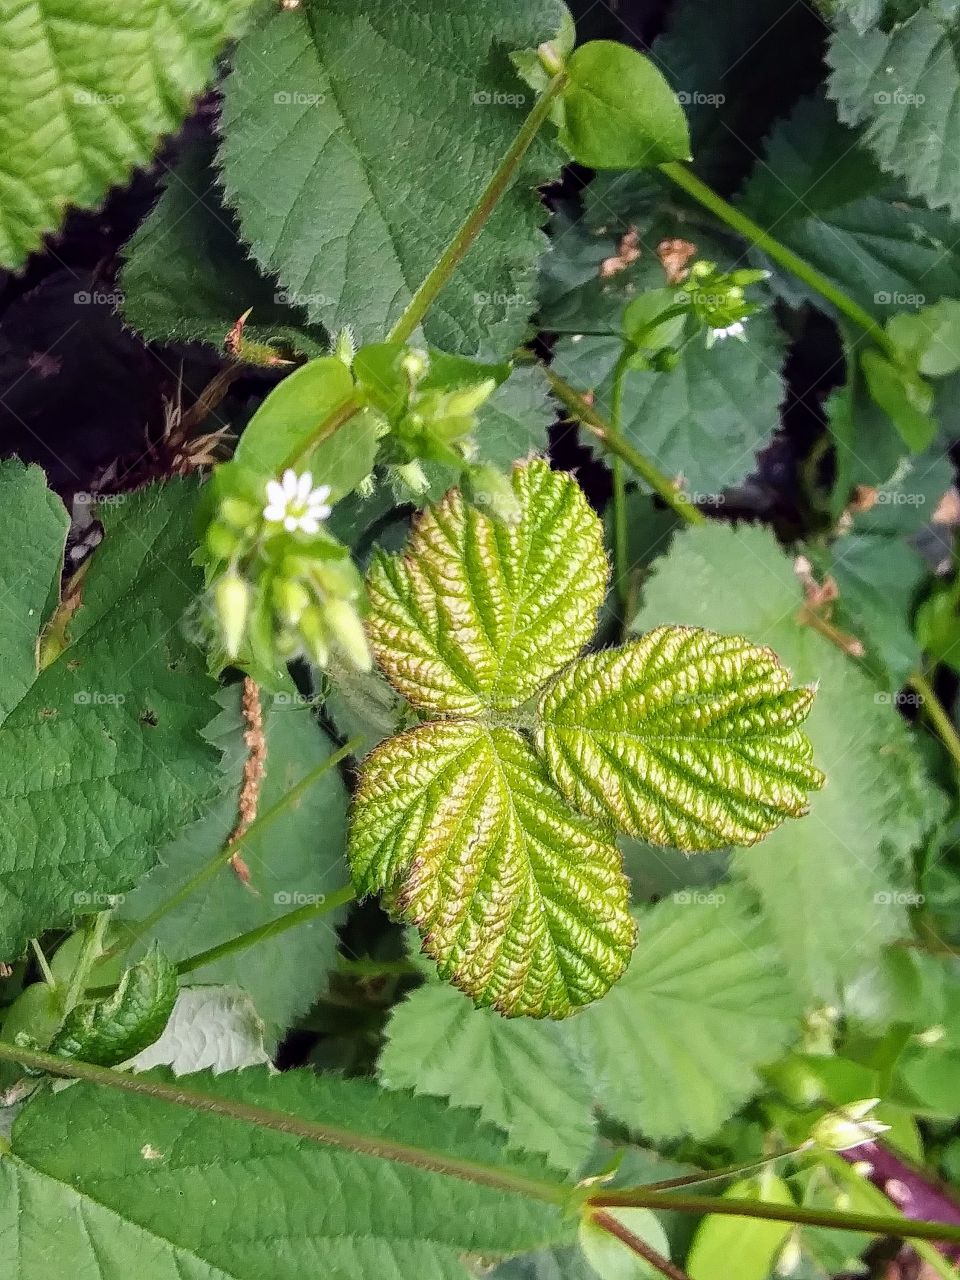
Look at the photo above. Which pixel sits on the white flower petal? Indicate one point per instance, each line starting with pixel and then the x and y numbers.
pixel 308 524
pixel 320 494
pixel 304 485
pixel 275 494
pixel 275 512
pixel 290 523
pixel 290 484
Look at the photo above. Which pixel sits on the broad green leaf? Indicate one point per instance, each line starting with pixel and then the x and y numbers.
pixel 286 429
pixel 754 1242
pixel 930 338
pixel 855 224
pixel 210 1029
pixel 138 1186
pixel 477 614
pixel 686 738
pixel 119 1026
pixel 519 1074
pixel 187 277
pixel 326 89
pixel 703 421
pixel 675 1046
pixel 863 14
pixel 294 860
pixel 89 92
pixel 903 86
pixel 522 903
pixel 101 749
pixel 618 110
pixel 829 879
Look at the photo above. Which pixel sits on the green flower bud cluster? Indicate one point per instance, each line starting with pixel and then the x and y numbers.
pixel 718 299
pixel 429 401
pixel 281 585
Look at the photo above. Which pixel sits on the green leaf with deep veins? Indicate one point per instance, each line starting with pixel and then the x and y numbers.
pixel 101 755
pixel 521 902
pixel 88 91
pixel 686 738
pixel 470 825
pixel 478 614
pixel 120 1025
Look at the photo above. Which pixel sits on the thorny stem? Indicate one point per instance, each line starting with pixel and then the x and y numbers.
pixel 477 219
pixel 684 177
pixel 607 1222
pixel 216 863
pixel 560 1194
pixel 617 445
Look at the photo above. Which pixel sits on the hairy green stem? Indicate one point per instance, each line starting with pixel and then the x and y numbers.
pixel 90 953
pixel 937 715
pixel 617 445
pixel 309 911
pixel 210 869
pixel 874 1224
pixel 41 959
pixel 477 218
pixel 684 177
pixel 620 537
pixel 607 1222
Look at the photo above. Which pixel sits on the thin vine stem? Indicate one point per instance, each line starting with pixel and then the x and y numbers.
pixel 289 920
pixel 607 1222
pixel 616 444
pixel 222 858
pixel 684 177
pixel 478 216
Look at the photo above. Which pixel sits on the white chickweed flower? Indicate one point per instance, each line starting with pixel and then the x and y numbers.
pixel 294 503
pixel 735 330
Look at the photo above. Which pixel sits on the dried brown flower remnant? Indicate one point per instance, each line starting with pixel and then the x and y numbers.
pixel 253 770
pixel 674 256
pixel 628 251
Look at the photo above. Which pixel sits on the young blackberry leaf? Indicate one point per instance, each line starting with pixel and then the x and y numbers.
pixel 522 903
pixel 119 1026
pixel 478 614
pixel 684 738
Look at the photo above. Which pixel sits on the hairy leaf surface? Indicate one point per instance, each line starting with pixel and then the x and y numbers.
pixel 355 144
pixel 137 1186
pixel 520 1074
pixel 101 752
pixel 904 87
pixel 477 614
pixel 521 902
pixel 675 1046
pixel 686 738
pixel 88 90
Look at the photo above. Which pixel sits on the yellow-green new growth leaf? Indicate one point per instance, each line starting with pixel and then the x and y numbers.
pixel 522 903
pixel 685 738
pixel 478 614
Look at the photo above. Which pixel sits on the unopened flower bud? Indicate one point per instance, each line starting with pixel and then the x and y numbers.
pixel 232 596
pixel 222 541
pixel 291 600
pixel 316 637
pixel 849 1126
pixel 345 625
pixel 415 365
pixel 460 404
pixel 237 513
